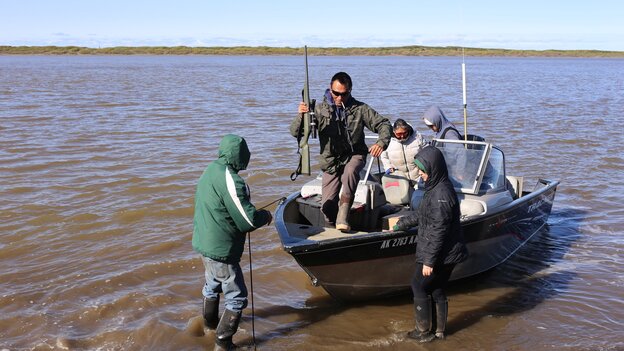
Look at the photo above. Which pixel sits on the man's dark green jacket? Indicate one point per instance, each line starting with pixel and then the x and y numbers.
pixel 340 141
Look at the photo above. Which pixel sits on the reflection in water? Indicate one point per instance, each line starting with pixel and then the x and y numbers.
pixel 99 158
pixel 527 278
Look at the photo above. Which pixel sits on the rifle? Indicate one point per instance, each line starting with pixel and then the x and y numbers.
pixel 307 127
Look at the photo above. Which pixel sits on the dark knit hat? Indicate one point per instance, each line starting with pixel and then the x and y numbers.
pixel 420 165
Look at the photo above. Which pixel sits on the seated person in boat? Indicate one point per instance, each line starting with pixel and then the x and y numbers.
pixel 439 244
pixel 341 121
pixel 404 145
pixel 435 119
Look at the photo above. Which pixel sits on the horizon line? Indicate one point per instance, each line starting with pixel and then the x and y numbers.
pixel 289 47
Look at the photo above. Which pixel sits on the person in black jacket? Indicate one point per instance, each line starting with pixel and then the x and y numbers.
pixel 439 244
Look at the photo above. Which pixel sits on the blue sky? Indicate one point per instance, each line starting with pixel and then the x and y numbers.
pixel 526 24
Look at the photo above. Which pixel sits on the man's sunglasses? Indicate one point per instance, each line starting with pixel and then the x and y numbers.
pixel 345 94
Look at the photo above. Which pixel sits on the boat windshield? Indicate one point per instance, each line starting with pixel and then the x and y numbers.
pixel 473 166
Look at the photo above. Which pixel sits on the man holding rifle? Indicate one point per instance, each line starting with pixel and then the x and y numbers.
pixel 341 120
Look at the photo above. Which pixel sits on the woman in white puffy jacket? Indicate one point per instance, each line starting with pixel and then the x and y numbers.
pixel 398 159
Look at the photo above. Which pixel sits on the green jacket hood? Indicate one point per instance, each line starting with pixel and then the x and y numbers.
pixel 233 149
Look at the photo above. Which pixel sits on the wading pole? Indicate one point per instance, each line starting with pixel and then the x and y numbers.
pixel 253 316
pixel 253 319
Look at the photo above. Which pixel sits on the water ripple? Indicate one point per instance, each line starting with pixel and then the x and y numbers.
pixel 99 158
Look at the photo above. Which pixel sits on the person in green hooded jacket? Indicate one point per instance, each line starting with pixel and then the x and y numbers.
pixel 223 216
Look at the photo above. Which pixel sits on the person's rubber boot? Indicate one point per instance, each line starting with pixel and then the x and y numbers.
pixel 441 317
pixel 342 219
pixel 211 312
pixel 434 321
pixel 422 312
pixel 228 325
pixel 329 209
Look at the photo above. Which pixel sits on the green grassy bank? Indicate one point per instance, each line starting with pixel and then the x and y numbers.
pixel 331 51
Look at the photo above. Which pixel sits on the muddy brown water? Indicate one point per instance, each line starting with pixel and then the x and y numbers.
pixel 99 158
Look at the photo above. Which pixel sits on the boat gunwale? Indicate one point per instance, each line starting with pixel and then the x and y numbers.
pixel 300 245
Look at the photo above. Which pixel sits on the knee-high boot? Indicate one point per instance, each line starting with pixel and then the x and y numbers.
pixel 441 316
pixel 342 220
pixel 228 325
pixel 422 312
pixel 211 312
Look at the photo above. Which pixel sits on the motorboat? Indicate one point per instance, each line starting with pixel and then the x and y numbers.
pixel 498 216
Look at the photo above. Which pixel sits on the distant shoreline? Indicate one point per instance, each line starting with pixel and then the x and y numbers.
pixel 312 51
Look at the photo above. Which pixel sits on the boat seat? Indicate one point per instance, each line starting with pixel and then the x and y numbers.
pixel 369 194
pixel 397 189
pixel 469 208
pixel 516 184
pixel 365 211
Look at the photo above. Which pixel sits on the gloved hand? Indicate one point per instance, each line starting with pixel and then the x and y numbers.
pixel 269 215
pixel 389 170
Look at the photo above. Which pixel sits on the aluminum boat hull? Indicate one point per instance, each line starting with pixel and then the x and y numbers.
pixel 379 264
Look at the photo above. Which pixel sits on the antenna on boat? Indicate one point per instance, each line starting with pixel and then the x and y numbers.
pixel 461 14
pixel 464 95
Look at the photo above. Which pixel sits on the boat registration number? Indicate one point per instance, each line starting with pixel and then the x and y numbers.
pixel 408 240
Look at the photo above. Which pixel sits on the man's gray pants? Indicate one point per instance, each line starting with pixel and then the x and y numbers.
pixel 348 179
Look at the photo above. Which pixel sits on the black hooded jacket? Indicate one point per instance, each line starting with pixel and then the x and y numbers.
pixel 440 239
